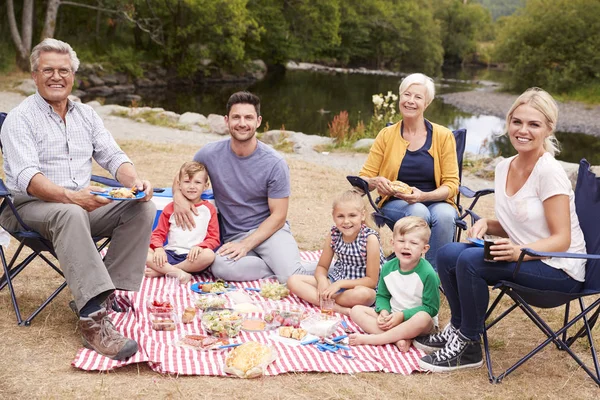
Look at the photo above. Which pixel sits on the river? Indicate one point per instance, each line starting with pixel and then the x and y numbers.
pixel 305 101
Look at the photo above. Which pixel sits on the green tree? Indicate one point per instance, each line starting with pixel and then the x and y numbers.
pixel 461 26
pixel 553 44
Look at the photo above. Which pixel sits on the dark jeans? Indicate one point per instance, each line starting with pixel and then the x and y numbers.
pixel 465 278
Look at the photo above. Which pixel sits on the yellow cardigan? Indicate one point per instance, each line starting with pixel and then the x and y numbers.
pixel 389 149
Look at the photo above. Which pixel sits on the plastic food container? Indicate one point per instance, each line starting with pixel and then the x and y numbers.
pixel 285 316
pixel 223 324
pixel 254 325
pixel 159 305
pixel 320 325
pixel 165 321
pixel 248 308
pixel 206 302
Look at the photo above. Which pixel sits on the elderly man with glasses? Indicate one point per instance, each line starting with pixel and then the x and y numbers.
pixel 49 143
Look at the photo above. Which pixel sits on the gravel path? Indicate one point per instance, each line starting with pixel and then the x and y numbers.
pixel 573 117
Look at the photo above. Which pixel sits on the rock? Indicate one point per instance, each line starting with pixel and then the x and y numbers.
pixel 258 69
pixel 122 78
pixel 94 104
pixel 74 98
pixel 217 124
pixel 363 144
pixel 160 83
pixel 192 118
pixel 157 109
pixel 78 93
pixel 201 128
pixel 170 115
pixel 132 97
pixel 102 91
pixel 144 83
pixel 95 80
pixel 27 87
pixel 115 109
pixel 124 89
pixel 275 136
pixel 110 80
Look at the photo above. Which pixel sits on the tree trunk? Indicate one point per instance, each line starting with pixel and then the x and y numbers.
pixel 50 21
pixel 21 40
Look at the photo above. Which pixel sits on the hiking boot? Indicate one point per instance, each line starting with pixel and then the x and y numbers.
pixel 98 333
pixel 435 341
pixel 460 352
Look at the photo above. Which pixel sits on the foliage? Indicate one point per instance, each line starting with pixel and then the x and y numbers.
pixel 502 8
pixel 461 26
pixel 384 111
pixel 553 44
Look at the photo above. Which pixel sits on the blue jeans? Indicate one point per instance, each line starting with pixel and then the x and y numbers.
pixel 440 216
pixel 465 278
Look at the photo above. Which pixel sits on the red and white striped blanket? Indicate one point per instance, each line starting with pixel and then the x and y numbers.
pixel 163 355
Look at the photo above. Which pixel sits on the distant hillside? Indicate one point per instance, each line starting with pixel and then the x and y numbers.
pixel 501 8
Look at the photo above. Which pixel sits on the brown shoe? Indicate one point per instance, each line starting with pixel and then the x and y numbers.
pixel 98 333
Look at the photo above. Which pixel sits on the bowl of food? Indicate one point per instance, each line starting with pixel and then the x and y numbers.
pixel 285 316
pixel 156 305
pixel 224 323
pixel 250 360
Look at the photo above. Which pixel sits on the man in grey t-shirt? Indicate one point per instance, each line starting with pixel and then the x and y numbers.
pixel 251 184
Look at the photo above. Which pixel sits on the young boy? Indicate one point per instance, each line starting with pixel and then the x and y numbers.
pixel 408 298
pixel 187 250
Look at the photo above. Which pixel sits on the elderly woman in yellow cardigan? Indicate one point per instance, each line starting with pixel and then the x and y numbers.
pixel 421 154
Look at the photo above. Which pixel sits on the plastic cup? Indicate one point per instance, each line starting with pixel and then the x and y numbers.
pixel 327 307
pixel 171 284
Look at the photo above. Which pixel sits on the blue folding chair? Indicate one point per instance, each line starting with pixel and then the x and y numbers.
pixel 460 136
pixel 587 203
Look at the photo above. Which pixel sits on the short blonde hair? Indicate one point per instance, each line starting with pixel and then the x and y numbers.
pixel 419 79
pixel 544 103
pixel 191 168
pixel 349 196
pixel 410 224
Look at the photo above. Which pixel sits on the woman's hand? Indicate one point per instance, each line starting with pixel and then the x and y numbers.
pixel 417 196
pixel 331 290
pixel 478 229
pixel 322 285
pixel 383 186
pixel 505 250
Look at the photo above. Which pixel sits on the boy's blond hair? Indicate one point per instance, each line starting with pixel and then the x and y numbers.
pixel 410 224
pixel 191 168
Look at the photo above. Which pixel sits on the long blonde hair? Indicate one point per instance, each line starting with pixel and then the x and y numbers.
pixel 354 197
pixel 543 102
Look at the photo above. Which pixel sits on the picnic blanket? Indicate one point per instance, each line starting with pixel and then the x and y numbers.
pixel 162 353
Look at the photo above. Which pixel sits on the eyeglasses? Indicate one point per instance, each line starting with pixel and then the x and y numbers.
pixel 49 72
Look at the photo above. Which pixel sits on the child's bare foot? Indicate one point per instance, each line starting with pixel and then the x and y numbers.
pixel 357 339
pixel 184 277
pixel 150 273
pixel 403 345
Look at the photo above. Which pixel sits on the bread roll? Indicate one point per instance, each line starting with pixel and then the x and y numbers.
pixel 401 187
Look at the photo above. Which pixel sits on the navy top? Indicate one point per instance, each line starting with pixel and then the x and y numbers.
pixel 416 168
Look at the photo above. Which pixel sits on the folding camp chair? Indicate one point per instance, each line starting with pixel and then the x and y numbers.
pixel 587 202
pixel 38 246
pixel 460 136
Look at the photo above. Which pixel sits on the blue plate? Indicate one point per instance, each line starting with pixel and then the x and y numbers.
pixel 139 195
pixel 476 241
pixel 196 287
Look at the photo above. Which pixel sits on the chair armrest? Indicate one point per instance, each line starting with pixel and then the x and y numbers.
pixel 361 184
pixel 467 192
pixel 106 181
pixel 533 253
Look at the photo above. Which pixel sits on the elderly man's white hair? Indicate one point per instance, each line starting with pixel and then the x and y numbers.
pixel 56 46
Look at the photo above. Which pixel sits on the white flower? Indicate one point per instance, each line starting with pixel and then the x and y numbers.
pixel 377 99
pixel 379 117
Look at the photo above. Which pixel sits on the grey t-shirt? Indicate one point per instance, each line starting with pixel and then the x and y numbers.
pixel 243 185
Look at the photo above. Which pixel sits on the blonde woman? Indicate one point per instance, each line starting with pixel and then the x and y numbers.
pixel 534 208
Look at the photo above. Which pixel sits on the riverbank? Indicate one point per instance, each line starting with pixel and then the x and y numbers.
pixel 573 117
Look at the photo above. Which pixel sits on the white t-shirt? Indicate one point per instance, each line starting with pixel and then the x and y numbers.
pixel 522 214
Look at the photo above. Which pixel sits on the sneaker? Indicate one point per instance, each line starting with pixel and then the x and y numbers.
pixel 459 353
pixel 435 341
pixel 98 333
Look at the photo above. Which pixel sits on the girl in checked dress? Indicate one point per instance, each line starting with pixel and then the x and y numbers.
pixel 352 278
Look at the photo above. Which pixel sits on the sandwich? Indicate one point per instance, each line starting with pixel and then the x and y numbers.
pixel 401 187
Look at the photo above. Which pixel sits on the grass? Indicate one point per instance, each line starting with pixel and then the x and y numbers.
pixel 36 359
pixel 588 94
pixel 10 78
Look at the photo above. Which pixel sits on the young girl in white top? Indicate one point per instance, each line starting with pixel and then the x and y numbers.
pixel 352 279
pixel 535 208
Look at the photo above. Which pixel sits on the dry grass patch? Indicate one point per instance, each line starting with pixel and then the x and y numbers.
pixel 36 359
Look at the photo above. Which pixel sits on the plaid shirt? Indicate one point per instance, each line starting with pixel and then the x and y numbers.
pixel 36 140
pixel 351 258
